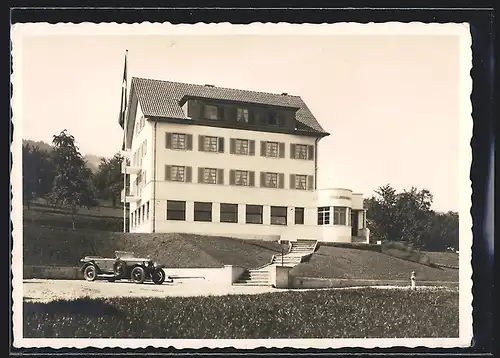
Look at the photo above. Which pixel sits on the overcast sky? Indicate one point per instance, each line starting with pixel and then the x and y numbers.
pixel 391 103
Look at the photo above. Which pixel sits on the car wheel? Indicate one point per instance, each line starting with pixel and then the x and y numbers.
pixel 90 273
pixel 158 276
pixel 138 275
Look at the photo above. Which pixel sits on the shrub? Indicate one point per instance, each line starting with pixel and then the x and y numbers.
pixel 404 251
pixel 363 313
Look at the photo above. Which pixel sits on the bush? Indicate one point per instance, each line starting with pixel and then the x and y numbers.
pixel 404 251
pixel 363 313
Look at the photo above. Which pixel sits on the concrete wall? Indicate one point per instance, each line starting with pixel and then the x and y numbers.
pixel 52 272
pixel 279 276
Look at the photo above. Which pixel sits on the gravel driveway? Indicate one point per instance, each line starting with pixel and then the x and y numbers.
pixel 48 290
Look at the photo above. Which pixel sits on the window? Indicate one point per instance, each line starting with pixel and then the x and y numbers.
pixel 350 213
pixel 241 177
pixel 278 215
pixel 143 212
pixel 176 210
pixel 339 215
pixel 299 216
pixel 210 144
pixel 301 182
pixel 253 214
pixel 272 149
pixel 272 119
pixel 300 151
pixel 145 146
pixel 202 211
pixel 324 215
pixel 210 176
pixel 178 141
pixel 241 146
pixel 147 210
pixel 242 115
pixel 177 173
pixel 211 112
pixel 271 180
pixel 228 213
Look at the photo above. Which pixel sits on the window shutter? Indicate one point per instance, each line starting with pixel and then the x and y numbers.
pixel 232 179
pixel 310 182
pixel 281 150
pixel 189 142
pixel 188 175
pixel 168 172
pixel 221 144
pixel 251 116
pixel 251 147
pixel 200 175
pixel 262 148
pixel 292 181
pixel 220 176
pixel 281 181
pixel 168 140
pixel 292 151
pixel 310 152
pixel 201 141
pixel 220 112
pixel 251 178
pixel 232 145
pixel 262 179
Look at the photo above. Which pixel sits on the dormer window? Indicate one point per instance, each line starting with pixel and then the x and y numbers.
pixel 211 112
pixel 242 115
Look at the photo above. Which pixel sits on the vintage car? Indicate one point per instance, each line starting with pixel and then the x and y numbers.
pixel 125 265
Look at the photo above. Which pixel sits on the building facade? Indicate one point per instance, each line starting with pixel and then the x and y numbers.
pixel 217 161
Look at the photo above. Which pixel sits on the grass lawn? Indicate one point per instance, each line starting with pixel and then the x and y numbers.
pixel 443 258
pixel 364 313
pixel 65 247
pixel 336 262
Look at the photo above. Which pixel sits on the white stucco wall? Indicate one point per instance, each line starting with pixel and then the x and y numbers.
pixel 310 200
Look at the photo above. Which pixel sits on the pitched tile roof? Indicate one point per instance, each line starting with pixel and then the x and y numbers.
pixel 161 99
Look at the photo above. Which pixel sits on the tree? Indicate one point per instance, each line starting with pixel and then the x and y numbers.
pixel 38 173
pixel 399 216
pixel 29 174
pixel 72 187
pixel 442 232
pixel 109 179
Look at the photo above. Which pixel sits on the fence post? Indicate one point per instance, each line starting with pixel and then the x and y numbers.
pixel 412 278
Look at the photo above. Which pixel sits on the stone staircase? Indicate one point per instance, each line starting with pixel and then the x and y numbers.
pixel 297 252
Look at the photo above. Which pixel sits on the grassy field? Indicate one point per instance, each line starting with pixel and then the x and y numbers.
pixel 364 313
pixel 337 262
pixel 65 247
pixel 104 217
pixel 443 258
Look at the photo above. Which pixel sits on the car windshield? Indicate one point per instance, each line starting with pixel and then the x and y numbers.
pixel 124 254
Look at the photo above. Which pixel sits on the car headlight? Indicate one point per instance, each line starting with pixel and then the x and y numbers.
pixel 155 264
pixel 146 263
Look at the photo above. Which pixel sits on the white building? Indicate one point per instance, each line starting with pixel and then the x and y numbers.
pixel 228 162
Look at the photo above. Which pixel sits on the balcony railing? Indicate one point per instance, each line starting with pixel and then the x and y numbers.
pixel 130 168
pixel 132 196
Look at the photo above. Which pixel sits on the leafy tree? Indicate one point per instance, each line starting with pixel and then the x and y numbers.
pixel 109 179
pixel 442 232
pixel 38 173
pixel 29 174
pixel 73 186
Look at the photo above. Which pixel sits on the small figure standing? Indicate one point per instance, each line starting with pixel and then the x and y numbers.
pixel 367 235
pixel 412 278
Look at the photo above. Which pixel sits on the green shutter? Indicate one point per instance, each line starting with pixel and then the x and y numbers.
pixel 310 152
pixel 189 142
pixel 292 181
pixel 188 174
pixel 168 140
pixel 168 172
pixel 251 147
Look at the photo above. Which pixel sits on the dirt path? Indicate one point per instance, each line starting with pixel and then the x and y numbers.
pixel 48 290
pixel 35 290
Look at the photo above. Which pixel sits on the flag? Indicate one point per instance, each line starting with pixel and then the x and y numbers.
pixel 123 105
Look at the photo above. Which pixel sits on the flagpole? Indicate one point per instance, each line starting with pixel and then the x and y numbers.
pixel 124 88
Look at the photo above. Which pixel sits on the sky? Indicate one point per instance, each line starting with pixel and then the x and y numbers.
pixel 390 102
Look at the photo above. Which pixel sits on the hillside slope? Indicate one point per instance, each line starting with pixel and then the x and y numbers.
pixel 336 262
pixel 64 247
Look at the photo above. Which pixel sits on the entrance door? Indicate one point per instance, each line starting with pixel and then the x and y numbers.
pixel 354 223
